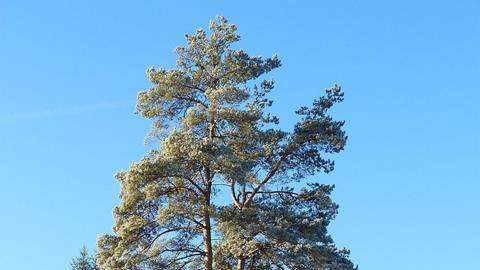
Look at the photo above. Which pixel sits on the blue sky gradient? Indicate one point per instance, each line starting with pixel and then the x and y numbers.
pixel 407 183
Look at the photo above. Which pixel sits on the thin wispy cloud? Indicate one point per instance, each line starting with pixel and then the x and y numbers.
pixel 61 112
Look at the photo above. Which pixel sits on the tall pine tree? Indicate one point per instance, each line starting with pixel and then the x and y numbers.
pixel 217 142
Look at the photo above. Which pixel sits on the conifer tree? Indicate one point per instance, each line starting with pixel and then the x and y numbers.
pixel 218 143
pixel 84 261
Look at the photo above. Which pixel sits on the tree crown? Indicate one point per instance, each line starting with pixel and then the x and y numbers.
pixel 210 117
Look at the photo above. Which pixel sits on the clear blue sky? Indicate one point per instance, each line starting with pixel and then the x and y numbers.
pixel 408 182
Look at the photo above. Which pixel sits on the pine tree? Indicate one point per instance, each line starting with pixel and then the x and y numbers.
pixel 216 142
pixel 84 261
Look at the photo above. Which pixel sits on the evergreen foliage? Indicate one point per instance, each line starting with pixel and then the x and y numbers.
pixel 218 141
pixel 84 261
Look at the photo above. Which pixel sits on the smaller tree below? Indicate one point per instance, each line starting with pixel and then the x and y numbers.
pixel 84 261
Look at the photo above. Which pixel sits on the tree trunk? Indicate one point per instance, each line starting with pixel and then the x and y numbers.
pixel 240 263
pixel 207 231
pixel 207 239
